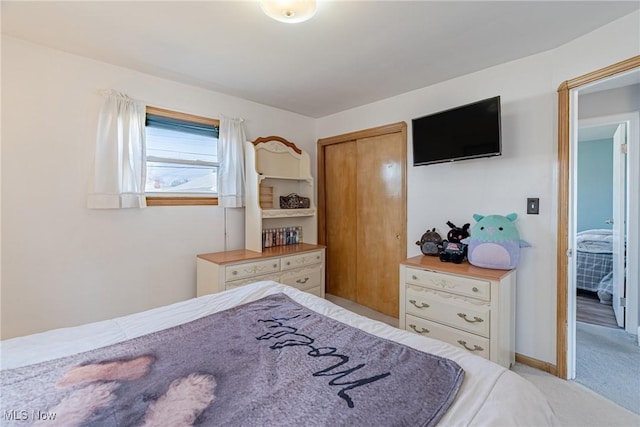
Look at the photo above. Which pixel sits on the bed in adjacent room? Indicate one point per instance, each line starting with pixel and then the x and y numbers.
pixel 594 263
pixel 262 354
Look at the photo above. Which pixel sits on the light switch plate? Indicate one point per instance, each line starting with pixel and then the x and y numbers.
pixel 533 206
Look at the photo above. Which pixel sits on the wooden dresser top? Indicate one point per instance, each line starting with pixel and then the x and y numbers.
pixel 239 255
pixel 433 263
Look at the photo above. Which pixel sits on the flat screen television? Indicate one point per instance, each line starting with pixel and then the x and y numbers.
pixel 466 132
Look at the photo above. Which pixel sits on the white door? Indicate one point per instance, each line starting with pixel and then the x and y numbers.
pixel 619 223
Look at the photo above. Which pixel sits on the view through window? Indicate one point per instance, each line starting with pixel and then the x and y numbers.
pixel 181 155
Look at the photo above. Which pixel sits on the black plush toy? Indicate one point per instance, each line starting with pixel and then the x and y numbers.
pixel 430 243
pixel 452 249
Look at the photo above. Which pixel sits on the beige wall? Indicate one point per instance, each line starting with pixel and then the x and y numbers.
pixel 63 264
pixel 500 185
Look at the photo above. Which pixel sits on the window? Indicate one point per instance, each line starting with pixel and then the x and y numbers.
pixel 182 159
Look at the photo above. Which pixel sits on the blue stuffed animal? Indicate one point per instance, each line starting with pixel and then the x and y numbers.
pixel 495 242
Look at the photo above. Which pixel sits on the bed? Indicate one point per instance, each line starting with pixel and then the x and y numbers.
pixel 479 392
pixel 594 263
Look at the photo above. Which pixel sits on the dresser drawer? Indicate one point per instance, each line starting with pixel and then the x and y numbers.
pixel 303 278
pixel 450 283
pixel 242 282
pixel 460 312
pixel 295 261
pixel 470 342
pixel 250 269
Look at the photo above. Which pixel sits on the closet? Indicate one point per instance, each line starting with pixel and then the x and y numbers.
pixel 362 216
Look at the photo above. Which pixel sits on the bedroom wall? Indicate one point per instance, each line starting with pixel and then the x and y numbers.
pixel 501 185
pixel 595 184
pixel 600 105
pixel 63 264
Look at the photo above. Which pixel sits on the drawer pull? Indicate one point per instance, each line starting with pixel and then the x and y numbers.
pixel 275 265
pixel 475 319
pixel 288 262
pixel 414 277
pixel 421 331
pixel 302 281
pixel 475 347
pixel 421 305
pixel 474 289
pixel 234 272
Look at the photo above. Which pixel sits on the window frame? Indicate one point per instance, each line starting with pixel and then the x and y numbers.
pixel 173 199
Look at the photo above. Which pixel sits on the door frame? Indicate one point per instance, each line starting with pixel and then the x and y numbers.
pixel 619 215
pixel 564 194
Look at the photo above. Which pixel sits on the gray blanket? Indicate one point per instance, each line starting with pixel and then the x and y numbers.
pixel 271 362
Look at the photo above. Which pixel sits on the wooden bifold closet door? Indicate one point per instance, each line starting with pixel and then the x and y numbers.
pixel 362 214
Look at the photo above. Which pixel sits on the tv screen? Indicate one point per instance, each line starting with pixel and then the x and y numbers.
pixel 466 132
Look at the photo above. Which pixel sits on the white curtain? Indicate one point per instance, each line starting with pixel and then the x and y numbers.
pixel 120 159
pixel 231 159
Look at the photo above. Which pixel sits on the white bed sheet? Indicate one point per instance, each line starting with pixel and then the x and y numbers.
pixel 490 394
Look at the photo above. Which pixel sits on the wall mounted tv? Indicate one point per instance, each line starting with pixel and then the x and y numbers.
pixel 466 132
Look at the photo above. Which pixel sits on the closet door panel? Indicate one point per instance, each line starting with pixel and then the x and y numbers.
pixel 381 213
pixel 341 219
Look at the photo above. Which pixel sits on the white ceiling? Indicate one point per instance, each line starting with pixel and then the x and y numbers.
pixel 350 53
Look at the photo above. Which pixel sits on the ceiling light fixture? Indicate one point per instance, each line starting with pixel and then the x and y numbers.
pixel 289 11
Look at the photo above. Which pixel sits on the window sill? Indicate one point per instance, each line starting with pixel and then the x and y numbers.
pixel 182 201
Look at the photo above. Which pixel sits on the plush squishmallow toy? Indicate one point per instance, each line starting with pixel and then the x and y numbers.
pixel 430 243
pixel 494 242
pixel 453 249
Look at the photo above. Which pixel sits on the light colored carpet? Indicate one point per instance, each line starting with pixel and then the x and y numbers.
pixel 576 405
pixel 573 404
pixel 362 310
pixel 608 362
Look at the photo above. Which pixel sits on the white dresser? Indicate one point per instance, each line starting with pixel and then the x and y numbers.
pixel 467 306
pixel 300 266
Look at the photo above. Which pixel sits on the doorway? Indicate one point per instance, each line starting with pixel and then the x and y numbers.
pixel 567 125
pixel 606 356
pixel 623 215
pixel 602 231
pixel 601 215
